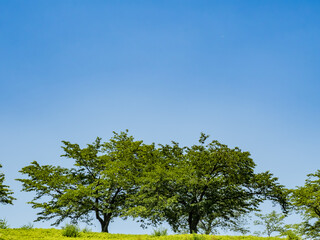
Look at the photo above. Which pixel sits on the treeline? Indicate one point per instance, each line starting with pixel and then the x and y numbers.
pixel 195 188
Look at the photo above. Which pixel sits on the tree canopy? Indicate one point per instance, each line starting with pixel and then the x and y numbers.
pixel 98 185
pixel 195 188
pixel 5 193
pixel 207 184
pixel 306 199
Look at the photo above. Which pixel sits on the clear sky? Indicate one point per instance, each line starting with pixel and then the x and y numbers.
pixel 245 72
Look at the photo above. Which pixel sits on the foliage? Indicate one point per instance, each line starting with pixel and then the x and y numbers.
pixel 99 184
pixel 291 235
pixel 197 188
pixel 3 224
pixel 71 230
pixel 210 224
pixel 272 222
pixel 292 231
pixel 86 230
pixel 5 192
pixel 159 232
pixel 306 199
pixel 205 184
pixel 197 237
pixel 27 226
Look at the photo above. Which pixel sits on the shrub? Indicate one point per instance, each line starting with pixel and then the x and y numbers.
pixel 197 237
pixel 27 226
pixel 292 235
pixel 159 232
pixel 86 230
pixel 3 224
pixel 71 230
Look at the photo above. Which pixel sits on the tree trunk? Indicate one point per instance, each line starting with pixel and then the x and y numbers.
pixel 193 221
pixel 105 227
pixel 105 222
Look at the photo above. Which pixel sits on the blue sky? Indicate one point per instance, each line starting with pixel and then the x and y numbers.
pixel 245 72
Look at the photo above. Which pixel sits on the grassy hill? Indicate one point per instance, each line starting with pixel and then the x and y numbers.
pixel 51 234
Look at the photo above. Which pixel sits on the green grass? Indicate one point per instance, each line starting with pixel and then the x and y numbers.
pixel 55 234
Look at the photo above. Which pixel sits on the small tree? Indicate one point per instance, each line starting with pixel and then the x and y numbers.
pixel 3 224
pixel 306 200
pixel 292 231
pixel 272 222
pixel 236 223
pixel 5 192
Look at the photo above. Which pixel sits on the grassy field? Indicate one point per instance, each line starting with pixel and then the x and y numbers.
pixel 50 234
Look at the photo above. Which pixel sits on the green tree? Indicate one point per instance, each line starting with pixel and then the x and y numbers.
pixel 5 193
pixel 272 222
pixel 203 184
pixel 306 200
pixel 99 185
